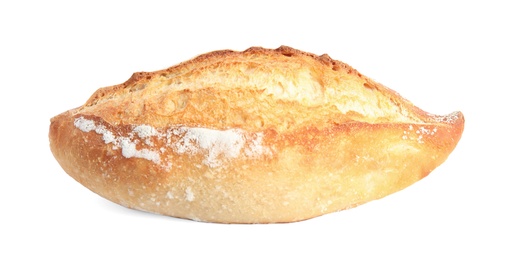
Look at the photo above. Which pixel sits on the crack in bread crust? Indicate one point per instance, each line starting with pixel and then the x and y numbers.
pixel 238 89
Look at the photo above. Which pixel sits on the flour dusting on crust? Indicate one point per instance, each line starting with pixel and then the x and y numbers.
pixel 193 140
pixel 216 146
pixel 126 144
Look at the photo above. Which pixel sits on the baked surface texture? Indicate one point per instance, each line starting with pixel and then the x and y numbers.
pixel 259 136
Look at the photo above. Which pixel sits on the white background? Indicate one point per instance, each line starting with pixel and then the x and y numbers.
pixel 441 55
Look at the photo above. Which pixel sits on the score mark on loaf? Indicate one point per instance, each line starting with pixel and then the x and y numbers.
pixel 259 136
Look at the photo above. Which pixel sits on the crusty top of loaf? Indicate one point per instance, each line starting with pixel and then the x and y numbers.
pixel 282 89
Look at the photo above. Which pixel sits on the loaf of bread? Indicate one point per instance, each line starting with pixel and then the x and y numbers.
pixel 259 136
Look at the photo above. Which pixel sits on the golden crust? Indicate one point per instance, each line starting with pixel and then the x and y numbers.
pixel 250 137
